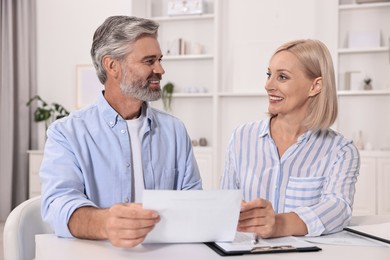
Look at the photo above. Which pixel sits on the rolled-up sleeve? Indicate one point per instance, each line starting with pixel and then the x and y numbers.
pixel 334 210
pixel 62 183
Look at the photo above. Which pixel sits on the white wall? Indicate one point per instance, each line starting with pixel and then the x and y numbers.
pixel 252 31
pixel 65 29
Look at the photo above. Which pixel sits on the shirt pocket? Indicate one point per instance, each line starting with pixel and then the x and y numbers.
pixel 303 192
pixel 167 180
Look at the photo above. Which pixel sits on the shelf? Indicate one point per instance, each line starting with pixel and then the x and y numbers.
pixel 375 153
pixel 203 149
pixel 363 6
pixel 188 57
pixel 242 94
pixel 363 50
pixel 183 18
pixel 339 93
pixel 362 92
pixel 192 95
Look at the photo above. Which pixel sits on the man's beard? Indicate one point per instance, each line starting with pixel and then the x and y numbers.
pixel 140 89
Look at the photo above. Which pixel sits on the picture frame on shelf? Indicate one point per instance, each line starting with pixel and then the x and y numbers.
pixel 88 86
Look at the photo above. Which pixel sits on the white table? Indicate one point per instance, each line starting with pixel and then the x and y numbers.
pixel 50 247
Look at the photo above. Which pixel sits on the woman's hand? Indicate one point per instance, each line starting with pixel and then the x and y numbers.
pixel 257 216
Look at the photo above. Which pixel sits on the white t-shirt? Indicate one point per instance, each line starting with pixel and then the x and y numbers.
pixel 135 126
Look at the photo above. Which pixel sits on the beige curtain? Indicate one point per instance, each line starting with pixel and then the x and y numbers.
pixel 17 85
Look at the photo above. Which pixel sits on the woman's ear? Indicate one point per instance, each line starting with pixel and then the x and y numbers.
pixel 316 87
pixel 112 67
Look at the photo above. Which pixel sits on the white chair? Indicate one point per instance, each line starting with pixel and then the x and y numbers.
pixel 20 228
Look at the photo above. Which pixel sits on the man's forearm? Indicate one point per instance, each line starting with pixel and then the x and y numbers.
pixel 88 223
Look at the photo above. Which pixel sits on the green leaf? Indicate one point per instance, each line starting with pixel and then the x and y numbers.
pixel 46 112
pixel 42 114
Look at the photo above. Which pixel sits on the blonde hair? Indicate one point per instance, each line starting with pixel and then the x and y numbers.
pixel 317 62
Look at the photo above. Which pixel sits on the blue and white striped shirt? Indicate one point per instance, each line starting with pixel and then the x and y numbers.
pixel 315 177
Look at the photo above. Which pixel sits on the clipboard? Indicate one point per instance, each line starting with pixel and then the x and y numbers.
pixel 248 243
pixel 261 249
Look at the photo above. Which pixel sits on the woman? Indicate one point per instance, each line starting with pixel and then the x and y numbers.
pixel 297 175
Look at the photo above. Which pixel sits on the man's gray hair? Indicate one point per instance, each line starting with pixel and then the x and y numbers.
pixel 114 38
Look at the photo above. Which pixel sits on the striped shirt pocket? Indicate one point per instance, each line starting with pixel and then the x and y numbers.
pixel 303 192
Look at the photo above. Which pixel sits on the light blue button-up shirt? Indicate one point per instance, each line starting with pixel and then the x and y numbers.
pixel 315 177
pixel 87 161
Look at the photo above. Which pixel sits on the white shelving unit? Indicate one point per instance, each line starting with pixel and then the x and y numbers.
pixel 360 110
pixel 365 110
pixel 368 20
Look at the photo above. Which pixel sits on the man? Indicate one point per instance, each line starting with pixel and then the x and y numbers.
pixel 98 160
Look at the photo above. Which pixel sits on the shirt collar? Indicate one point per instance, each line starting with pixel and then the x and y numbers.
pixel 266 130
pixel 112 117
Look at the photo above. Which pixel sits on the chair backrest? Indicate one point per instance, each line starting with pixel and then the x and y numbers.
pixel 20 228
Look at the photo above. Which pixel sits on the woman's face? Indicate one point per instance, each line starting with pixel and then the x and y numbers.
pixel 288 88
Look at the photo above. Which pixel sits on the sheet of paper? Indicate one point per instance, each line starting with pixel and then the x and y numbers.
pixel 244 242
pixel 193 216
pixel 344 238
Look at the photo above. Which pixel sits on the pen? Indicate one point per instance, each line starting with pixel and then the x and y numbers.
pixel 255 239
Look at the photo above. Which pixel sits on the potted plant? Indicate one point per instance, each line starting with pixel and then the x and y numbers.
pixel 367 83
pixel 47 112
pixel 166 96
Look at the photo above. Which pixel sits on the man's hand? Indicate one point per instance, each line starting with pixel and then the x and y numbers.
pixel 125 225
pixel 128 224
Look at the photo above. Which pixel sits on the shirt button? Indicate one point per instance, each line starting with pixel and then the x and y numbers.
pixel 111 123
pixel 126 200
pixel 123 131
pixel 127 165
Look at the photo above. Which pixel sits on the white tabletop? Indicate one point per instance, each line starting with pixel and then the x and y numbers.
pixel 50 247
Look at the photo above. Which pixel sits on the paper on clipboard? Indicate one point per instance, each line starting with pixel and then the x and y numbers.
pixel 243 242
pixel 193 216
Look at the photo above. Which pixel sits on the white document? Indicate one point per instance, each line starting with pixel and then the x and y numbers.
pixel 193 216
pixel 344 238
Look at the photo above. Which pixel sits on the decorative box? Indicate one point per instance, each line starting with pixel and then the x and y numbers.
pixel 188 7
